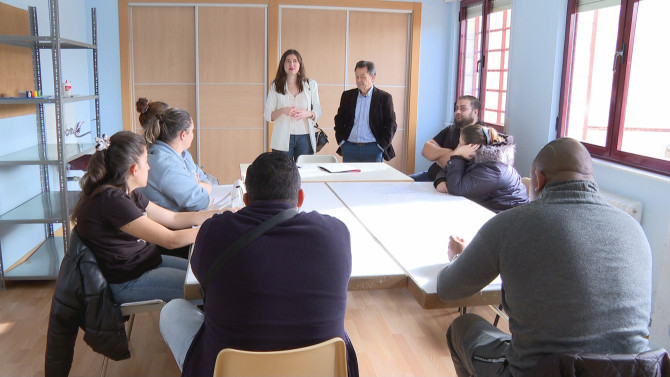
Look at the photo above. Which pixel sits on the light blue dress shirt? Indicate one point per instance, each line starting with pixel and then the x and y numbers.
pixel 361 132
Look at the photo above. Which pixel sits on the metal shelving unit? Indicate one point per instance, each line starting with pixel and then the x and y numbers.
pixel 49 207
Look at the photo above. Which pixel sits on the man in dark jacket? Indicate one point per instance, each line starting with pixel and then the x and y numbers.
pixel 365 121
pixel 286 289
pixel 440 148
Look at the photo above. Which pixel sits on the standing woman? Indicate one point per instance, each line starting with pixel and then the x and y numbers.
pixel 293 106
pixel 175 181
pixel 122 227
pixel 482 169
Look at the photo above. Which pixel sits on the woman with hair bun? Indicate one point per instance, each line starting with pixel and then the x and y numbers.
pixel 482 170
pixel 175 181
pixel 122 227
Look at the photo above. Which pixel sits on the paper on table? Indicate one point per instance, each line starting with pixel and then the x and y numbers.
pixel 223 196
pixel 339 168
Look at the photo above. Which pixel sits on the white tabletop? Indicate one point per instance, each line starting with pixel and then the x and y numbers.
pixel 398 230
pixel 372 266
pixel 369 172
pixel 413 221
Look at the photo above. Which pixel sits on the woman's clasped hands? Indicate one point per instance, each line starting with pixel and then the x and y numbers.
pixel 466 151
pixel 296 113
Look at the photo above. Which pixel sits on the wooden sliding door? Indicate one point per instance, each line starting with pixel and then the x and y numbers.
pixel 163 58
pixel 331 41
pixel 215 70
pixel 231 62
pixel 216 59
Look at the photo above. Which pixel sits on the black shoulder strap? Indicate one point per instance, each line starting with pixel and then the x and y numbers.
pixel 243 241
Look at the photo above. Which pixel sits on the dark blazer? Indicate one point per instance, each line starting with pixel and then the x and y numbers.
pixel 382 119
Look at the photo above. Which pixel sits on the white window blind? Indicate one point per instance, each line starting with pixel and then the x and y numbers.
pixel 474 11
pixel 500 5
pixel 587 5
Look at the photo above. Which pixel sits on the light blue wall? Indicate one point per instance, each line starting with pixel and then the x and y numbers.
pixel 533 85
pixel 109 64
pixel 537 39
pixel 437 73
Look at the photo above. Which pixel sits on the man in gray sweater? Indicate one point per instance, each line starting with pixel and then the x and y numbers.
pixel 576 273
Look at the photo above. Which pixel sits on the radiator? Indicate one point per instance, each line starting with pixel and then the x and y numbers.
pixel 630 206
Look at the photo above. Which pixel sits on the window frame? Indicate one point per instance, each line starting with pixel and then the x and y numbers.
pixel 617 111
pixel 482 66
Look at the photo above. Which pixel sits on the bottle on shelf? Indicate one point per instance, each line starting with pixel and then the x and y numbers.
pixel 67 89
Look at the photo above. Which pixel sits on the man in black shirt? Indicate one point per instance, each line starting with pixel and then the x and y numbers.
pixel 440 148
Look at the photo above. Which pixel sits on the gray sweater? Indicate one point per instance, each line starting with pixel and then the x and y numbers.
pixel 576 274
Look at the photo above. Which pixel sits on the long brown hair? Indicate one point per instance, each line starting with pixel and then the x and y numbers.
pixel 280 77
pixel 110 166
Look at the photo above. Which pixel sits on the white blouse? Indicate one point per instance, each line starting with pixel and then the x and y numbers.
pixel 283 126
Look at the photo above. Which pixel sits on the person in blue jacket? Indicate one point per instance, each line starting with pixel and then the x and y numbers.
pixel 175 181
pixel 482 169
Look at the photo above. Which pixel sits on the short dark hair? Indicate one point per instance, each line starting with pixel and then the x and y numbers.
pixel 367 64
pixel 475 103
pixel 273 176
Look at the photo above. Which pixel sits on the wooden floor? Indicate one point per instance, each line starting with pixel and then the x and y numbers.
pixel 392 334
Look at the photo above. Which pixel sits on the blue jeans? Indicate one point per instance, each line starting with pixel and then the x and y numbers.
pixel 180 321
pixel 298 145
pixel 356 152
pixel 165 282
pixel 420 177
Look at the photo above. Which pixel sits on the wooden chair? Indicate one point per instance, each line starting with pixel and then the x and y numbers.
pixel 328 358
pixel 130 309
pixel 316 158
pixel 526 181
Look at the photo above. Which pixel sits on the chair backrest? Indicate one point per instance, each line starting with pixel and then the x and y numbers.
pixel 142 306
pixel 654 363
pixel 316 158
pixel 324 359
pixel 526 182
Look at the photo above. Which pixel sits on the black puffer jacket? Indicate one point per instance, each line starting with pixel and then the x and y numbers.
pixel 490 179
pixel 82 299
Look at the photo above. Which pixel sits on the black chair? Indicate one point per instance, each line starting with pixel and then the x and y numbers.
pixel 654 363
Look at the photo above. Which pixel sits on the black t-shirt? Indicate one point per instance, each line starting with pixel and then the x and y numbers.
pixel 447 138
pixel 121 256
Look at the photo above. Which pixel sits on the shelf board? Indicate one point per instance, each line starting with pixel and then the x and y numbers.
pixel 44 100
pixel 44 42
pixel 43 264
pixel 31 156
pixel 41 209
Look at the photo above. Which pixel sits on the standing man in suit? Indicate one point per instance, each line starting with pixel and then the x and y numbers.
pixel 365 121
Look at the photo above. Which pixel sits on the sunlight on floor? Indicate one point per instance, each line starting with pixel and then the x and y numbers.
pixel 5 327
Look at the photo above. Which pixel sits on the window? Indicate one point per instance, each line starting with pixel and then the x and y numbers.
pixel 484 55
pixel 615 90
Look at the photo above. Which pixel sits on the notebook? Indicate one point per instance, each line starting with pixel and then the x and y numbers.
pixel 339 168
